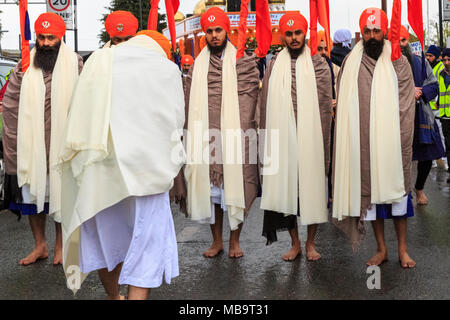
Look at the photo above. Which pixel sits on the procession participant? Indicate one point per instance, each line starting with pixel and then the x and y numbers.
pixel 374 135
pixel 342 45
pixel 295 102
pixel 221 96
pixel 186 62
pixel 119 166
pixel 444 101
pixel 427 143
pixel 35 108
pixel 322 49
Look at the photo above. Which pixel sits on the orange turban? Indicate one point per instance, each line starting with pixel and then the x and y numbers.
pixel 214 17
pixel 374 17
pixel 50 23
pixel 160 39
pixel 187 59
pixel 404 34
pixel 292 21
pixel 121 24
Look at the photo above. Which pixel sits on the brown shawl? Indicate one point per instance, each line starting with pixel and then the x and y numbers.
pixel 354 227
pixel 11 112
pixel 248 89
pixel 324 90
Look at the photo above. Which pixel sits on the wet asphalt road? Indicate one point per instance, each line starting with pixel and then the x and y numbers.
pixel 261 273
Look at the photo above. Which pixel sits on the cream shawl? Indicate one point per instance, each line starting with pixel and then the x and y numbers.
pixel 123 136
pixel 31 153
pixel 197 169
pixel 300 171
pixel 386 170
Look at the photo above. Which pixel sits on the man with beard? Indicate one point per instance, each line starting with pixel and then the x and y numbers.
pixel 35 110
pixel 186 63
pixel 118 167
pixel 373 142
pixel 221 96
pixel 427 143
pixel 295 110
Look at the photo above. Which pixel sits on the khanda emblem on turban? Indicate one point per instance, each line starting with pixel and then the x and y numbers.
pixel 120 27
pixel 372 18
pixel 290 23
pixel 46 24
pixel 211 19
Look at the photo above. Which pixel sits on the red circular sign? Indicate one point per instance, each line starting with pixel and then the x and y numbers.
pixel 59 5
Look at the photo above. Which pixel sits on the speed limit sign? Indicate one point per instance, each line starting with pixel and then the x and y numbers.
pixel 64 9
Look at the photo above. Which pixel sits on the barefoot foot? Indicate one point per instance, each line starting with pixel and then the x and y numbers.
pixel 214 250
pixel 421 198
pixel 378 259
pixel 235 251
pixel 57 252
pixel 311 253
pixel 38 253
pixel 292 254
pixel 406 261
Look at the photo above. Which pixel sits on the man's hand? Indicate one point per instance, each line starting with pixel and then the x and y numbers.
pixel 418 93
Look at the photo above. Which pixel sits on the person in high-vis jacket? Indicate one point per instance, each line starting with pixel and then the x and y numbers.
pixel 444 100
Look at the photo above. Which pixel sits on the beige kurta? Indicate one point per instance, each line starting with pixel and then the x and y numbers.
pixel 11 112
pixel 248 89
pixel 407 109
pixel 324 90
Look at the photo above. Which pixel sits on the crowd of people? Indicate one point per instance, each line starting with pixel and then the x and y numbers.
pixel 106 146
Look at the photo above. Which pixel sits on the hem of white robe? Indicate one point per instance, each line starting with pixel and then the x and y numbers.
pixel 170 270
pixel 398 209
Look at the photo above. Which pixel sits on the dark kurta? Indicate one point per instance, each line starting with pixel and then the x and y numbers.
pixel 248 89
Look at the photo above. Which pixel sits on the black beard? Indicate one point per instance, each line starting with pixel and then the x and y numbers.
pixel 295 53
pixel 407 52
pixel 46 56
pixel 373 48
pixel 219 49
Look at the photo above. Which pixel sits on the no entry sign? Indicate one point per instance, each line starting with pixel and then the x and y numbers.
pixel 64 9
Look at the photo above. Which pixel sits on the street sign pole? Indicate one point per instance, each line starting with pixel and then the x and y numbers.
pixel 75 22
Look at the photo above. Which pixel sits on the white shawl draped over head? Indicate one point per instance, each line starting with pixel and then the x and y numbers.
pixel 299 147
pixel 386 168
pixel 31 153
pixel 123 135
pixel 197 168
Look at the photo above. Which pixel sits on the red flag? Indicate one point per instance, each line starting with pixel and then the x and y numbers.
pixel 242 29
pixel 153 16
pixel 319 12
pixel 396 24
pixel 263 28
pixel 171 8
pixel 415 18
pixel 25 34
